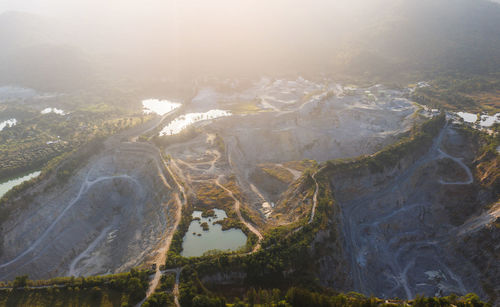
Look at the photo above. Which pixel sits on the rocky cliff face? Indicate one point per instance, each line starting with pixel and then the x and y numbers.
pixel 480 245
pixel 405 228
pixel 109 217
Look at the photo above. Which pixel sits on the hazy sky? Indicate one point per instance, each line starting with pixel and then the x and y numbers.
pixel 76 7
pixel 225 33
pixel 202 21
pixel 73 7
pixel 202 31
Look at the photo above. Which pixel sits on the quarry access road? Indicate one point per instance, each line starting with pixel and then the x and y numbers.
pixel 86 185
pixel 177 272
pixel 315 196
pixel 238 213
pixel 162 252
pixel 116 144
pixel 462 164
pixel 392 254
pixel 237 204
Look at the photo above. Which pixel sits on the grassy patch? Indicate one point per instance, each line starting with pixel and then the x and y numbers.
pixel 210 195
pixel 246 107
pixel 278 172
pixel 301 166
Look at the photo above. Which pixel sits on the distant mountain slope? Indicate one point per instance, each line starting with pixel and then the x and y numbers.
pixel 19 30
pixel 46 67
pixel 379 39
pixel 446 35
pixel 35 53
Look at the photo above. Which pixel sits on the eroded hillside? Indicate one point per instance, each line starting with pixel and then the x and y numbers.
pixel 416 221
pixel 114 213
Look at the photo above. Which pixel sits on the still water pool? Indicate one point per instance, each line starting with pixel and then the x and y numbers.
pixel 194 245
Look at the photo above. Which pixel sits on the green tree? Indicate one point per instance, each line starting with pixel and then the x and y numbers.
pixel 20 281
pixel 135 289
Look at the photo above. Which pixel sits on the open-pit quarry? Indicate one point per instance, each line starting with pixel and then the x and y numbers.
pixel 113 214
pixel 408 229
pixel 398 230
pixel 289 121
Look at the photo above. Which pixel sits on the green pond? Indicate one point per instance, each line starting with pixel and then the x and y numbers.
pixel 214 238
pixel 7 185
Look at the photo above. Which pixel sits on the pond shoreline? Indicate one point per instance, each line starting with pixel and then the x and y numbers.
pixel 7 185
pixel 205 234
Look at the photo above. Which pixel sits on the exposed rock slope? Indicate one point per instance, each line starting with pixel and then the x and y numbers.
pixel 416 225
pixel 112 215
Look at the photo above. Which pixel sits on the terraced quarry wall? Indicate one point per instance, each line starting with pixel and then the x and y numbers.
pixel 110 216
pixel 399 221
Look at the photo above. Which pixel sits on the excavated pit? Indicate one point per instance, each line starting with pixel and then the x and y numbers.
pixel 295 120
pixel 399 227
pixel 109 217
pixel 302 119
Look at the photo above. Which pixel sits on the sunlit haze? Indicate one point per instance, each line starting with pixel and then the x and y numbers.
pixel 249 153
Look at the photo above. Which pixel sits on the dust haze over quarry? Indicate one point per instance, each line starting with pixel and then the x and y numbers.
pixel 207 149
pixel 308 120
pixel 175 40
pixel 296 119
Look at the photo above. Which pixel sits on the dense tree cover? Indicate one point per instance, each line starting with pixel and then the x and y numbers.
pixel 20 282
pixel 167 282
pixel 37 138
pixel 125 289
pixel 62 167
pixel 163 295
pixel 159 299
pixel 300 297
pixel 176 245
pixel 193 293
pixel 472 93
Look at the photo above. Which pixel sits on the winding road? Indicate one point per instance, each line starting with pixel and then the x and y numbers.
pixel 238 213
pixel 393 249
pixel 162 252
pixel 87 184
pixel 462 164
pixel 315 196
pixel 114 145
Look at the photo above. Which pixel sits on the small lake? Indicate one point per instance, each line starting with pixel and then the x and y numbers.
pixel 484 121
pixel 183 121
pixel 7 185
pixel 8 123
pixel 160 107
pixel 194 245
pixel 53 110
